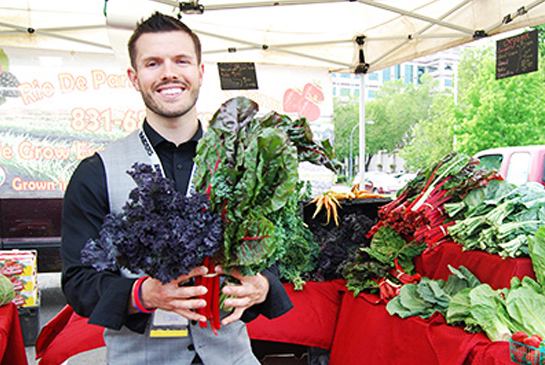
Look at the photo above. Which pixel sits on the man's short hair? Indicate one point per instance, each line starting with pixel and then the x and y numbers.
pixel 159 22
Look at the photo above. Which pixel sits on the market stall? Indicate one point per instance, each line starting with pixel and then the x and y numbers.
pixel 362 325
pixel 351 316
pixel 327 316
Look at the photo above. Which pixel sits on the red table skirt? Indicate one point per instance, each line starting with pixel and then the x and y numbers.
pixel 327 316
pixel 12 347
pixel 365 330
pixel 66 335
pixel 488 268
pixel 312 320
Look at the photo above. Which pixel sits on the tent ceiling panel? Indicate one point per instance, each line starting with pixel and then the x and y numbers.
pixel 317 33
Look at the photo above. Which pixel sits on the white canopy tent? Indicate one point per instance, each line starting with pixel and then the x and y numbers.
pixel 340 35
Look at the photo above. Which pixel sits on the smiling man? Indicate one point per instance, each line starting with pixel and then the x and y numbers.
pixel 148 322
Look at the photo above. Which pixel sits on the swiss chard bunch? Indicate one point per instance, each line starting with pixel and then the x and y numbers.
pixel 388 259
pixel 249 166
pixel 159 232
pixel 418 212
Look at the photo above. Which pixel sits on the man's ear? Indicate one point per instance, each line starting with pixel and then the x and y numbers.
pixel 131 72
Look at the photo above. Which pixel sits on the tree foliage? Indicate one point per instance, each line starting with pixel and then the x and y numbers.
pixel 432 137
pixel 346 116
pixel 497 113
pixel 424 123
pixel 396 109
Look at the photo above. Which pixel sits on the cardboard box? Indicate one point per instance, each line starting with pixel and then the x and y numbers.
pixel 21 268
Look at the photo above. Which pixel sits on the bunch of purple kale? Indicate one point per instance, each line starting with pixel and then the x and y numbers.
pixel 159 232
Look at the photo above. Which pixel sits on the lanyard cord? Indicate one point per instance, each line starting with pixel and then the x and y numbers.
pixel 156 162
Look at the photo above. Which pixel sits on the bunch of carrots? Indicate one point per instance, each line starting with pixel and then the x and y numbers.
pixel 330 201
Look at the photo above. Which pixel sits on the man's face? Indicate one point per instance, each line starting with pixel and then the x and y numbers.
pixel 167 73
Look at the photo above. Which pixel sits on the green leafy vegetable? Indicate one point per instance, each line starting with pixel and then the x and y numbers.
pixel 249 166
pixel 376 261
pixel 300 250
pixel 499 218
pixel 536 246
pixel 7 293
pixel 430 296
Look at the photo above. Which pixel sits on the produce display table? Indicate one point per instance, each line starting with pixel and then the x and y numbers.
pixel 12 348
pixel 327 316
pixel 365 329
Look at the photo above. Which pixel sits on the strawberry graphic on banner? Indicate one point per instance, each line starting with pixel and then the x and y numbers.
pixel 305 102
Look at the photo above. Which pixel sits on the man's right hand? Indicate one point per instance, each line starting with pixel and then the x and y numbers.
pixel 174 296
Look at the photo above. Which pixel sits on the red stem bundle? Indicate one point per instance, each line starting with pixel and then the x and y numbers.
pixel 212 297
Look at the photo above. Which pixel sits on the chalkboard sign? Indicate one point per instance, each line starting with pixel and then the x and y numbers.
pixel 237 76
pixel 516 55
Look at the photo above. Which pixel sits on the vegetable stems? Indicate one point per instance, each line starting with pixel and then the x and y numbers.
pixel 212 310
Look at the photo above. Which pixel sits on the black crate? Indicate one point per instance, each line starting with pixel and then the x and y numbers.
pixel 339 244
pixel 29 317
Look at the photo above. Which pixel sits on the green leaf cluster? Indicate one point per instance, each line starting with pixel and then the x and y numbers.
pixel 499 217
pixel 300 251
pixel 249 166
pixel 464 301
pixel 499 313
pixel 536 248
pixel 7 293
pixel 430 296
pixel 375 262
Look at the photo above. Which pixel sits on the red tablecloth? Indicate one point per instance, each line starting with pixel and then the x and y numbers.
pixel 491 269
pixel 66 335
pixel 365 330
pixel 312 320
pixel 327 316
pixel 12 347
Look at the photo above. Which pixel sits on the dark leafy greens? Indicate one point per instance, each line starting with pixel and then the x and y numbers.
pixel 300 251
pixel 159 231
pixel 249 166
pixel 379 259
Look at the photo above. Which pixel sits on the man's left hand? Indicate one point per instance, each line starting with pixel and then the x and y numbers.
pixel 251 290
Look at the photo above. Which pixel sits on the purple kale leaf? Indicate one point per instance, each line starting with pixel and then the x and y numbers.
pixel 159 231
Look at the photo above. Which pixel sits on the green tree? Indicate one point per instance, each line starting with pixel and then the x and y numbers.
pixel 432 137
pixel 497 113
pixel 396 109
pixel 346 116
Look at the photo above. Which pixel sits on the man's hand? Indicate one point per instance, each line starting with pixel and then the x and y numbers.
pixel 174 296
pixel 251 290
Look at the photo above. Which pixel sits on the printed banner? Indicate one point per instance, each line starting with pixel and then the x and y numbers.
pixel 57 108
